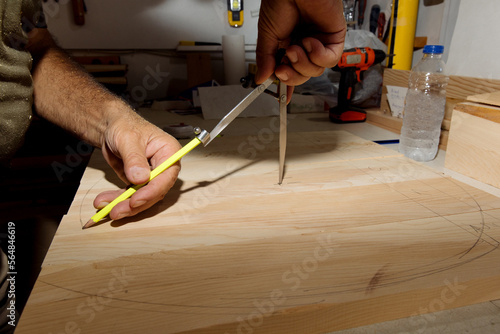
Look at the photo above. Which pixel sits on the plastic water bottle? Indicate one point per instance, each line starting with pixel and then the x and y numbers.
pixel 424 106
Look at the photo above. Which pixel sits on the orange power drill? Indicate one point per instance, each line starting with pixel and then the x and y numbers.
pixel 351 66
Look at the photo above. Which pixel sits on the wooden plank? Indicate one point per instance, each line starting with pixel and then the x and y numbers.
pixel 386 121
pixel 355 235
pixel 443 139
pixel 459 87
pixel 396 77
pixel 383 118
pixel 487 98
pixel 419 42
pixel 474 142
pixel 458 90
pixel 400 78
pixel 448 112
pixel 489 113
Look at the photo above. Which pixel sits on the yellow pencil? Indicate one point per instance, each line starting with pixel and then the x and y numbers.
pixel 202 137
pixel 154 173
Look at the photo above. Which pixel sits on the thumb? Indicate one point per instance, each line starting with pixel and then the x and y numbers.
pixel 265 67
pixel 267 45
pixel 135 163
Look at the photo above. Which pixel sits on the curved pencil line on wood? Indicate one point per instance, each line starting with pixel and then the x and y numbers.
pixel 82 222
pixel 251 307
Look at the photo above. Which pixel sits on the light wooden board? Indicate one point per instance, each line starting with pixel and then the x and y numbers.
pixel 383 119
pixel 458 90
pixel 459 87
pixel 487 98
pixel 357 234
pixel 474 143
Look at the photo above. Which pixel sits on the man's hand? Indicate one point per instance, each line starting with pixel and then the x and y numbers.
pixel 133 147
pixel 319 24
pixel 69 97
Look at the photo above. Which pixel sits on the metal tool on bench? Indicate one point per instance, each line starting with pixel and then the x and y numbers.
pixel 204 137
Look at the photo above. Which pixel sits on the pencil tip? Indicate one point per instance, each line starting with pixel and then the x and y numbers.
pixel 88 224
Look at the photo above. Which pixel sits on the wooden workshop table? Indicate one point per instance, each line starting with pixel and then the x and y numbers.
pixel 356 235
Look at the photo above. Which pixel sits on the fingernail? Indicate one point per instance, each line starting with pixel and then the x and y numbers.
pixel 292 56
pixel 138 204
pixel 282 76
pixel 102 205
pixel 139 172
pixel 120 216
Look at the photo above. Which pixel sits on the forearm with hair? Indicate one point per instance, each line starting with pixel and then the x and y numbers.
pixel 67 95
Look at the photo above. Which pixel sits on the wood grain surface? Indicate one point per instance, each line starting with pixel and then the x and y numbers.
pixel 459 87
pixel 492 98
pixel 474 142
pixel 356 234
pixel 458 90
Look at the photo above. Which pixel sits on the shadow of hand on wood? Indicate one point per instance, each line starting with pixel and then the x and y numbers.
pixel 174 195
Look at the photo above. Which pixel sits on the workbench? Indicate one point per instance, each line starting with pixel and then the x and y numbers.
pixel 357 235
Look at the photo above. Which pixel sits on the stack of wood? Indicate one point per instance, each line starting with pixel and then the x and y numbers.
pixel 459 88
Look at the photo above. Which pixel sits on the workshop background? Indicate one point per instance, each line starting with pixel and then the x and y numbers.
pixel 147 33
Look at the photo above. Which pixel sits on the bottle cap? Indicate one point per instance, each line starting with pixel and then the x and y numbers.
pixel 433 49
